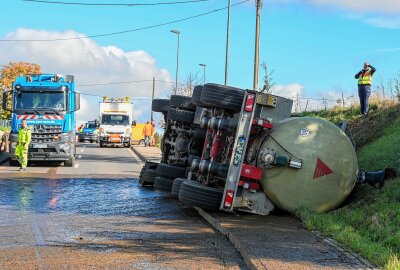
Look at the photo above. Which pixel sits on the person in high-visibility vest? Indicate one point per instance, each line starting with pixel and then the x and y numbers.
pixel 147 133
pixel 24 138
pixel 364 86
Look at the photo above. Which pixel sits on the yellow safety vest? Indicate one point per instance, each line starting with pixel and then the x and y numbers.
pixel 24 136
pixel 366 79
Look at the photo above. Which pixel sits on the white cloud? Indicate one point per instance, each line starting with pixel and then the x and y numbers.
pixel 370 6
pixel 90 63
pixel 383 13
pixel 288 91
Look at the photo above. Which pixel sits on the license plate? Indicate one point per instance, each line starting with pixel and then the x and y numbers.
pixel 87 138
pixel 39 146
pixel 115 140
pixel 239 151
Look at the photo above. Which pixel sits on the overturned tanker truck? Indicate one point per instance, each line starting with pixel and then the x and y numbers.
pixel 255 157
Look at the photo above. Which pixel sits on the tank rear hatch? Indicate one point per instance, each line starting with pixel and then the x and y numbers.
pixel 329 165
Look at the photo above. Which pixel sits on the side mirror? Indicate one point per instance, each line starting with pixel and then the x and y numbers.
pixel 134 123
pixel 77 97
pixel 5 100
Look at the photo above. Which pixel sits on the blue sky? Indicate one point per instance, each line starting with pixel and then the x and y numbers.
pixel 314 46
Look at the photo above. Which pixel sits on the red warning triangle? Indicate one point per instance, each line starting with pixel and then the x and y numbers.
pixel 321 169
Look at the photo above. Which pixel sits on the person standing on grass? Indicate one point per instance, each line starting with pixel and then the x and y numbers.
pixel 147 133
pixel 364 86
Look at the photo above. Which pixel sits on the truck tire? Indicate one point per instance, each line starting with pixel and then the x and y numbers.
pixel 160 105
pixel 13 163
pixel 224 97
pixel 176 186
pixel 181 115
pixel 147 177
pixel 162 183
pixel 128 145
pixel 195 194
pixel 199 134
pixel 196 96
pixel 170 171
pixel 182 102
pixel 70 162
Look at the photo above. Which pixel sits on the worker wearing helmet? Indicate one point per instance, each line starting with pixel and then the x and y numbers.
pixel 24 138
pixel 364 86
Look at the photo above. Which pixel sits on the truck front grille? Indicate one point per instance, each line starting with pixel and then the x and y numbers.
pixel 45 133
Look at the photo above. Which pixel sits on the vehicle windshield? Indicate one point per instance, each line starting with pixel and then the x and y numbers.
pixel 40 100
pixel 110 119
pixel 90 125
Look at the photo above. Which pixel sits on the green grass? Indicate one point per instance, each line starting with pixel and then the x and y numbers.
pixel 5 129
pixel 370 221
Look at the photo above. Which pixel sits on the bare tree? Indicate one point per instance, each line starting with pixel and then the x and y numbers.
pixel 268 79
pixel 186 88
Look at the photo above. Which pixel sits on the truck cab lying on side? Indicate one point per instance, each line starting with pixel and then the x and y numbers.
pixel 48 103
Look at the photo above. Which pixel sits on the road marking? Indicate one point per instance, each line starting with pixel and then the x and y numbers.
pixel 76 166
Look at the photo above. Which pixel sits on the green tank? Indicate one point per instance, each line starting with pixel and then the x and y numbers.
pixel 328 165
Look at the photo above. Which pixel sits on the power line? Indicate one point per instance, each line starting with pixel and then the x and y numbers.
pixel 128 82
pixel 116 4
pixel 125 31
pixel 101 96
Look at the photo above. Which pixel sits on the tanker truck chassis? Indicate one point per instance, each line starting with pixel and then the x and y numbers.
pixel 248 164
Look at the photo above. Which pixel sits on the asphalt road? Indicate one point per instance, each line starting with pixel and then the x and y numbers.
pixel 97 216
pixel 90 160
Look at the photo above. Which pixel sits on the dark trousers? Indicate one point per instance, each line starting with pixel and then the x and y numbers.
pixel 364 91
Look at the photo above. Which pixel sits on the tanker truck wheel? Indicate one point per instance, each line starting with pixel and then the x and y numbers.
pixel 196 96
pixel 176 186
pixel 162 183
pixel 182 102
pixel 224 97
pixel 169 171
pixel 160 105
pixel 195 194
pixel 147 177
pixel 181 115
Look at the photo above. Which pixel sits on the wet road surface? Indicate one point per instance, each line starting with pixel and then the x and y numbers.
pixel 103 224
pixel 90 160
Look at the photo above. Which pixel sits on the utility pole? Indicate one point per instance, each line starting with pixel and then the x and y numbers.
pixel 228 26
pixel 342 100
pixel 257 45
pixel 177 59
pixel 152 97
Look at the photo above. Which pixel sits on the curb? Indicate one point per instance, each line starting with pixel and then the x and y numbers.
pixel 142 158
pixel 254 264
pixel 251 264
pixel 350 254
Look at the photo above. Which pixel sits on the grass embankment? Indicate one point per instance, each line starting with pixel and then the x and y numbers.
pixel 370 221
pixel 5 129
